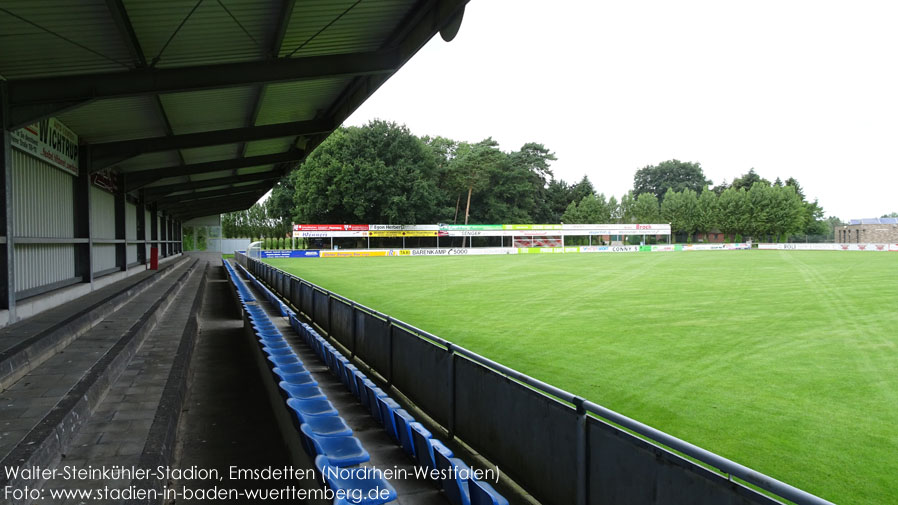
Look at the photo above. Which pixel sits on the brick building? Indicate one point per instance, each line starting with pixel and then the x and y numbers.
pixel 869 231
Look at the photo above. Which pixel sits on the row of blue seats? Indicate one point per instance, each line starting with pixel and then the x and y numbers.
pixel 455 476
pixel 272 298
pixel 242 291
pixel 324 434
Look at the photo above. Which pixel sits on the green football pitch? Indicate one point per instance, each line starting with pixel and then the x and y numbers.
pixel 786 362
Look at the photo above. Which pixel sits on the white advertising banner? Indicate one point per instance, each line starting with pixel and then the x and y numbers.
pixel 619 229
pixel 864 247
pixel 827 247
pixel 50 141
pixel 475 230
pixel 325 234
pixel 810 247
pixel 893 247
pixel 468 251
pixel 705 247
pixel 403 227
pixel 609 249
pixel 702 247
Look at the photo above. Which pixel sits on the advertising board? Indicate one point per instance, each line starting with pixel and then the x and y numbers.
pixel 51 141
pixel 288 253
pixel 352 254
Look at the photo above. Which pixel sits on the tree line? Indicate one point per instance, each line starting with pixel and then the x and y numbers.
pixel 382 173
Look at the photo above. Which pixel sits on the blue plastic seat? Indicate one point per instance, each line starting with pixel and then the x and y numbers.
pixel 278 351
pixel 363 384
pixel 387 406
pixel 326 426
pixel 312 407
pixel 301 391
pixel 358 388
pixel 483 494
pixel 281 371
pixel 374 393
pixel 340 451
pixel 362 483
pixel 402 420
pixel 301 379
pixel 346 373
pixel 274 342
pixel 454 474
pixel 348 378
pixel 425 446
pixel 284 360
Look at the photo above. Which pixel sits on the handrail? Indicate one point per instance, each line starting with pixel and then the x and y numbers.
pixel 725 465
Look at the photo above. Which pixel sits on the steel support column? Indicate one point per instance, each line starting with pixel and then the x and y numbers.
pixel 180 244
pixel 141 232
pixel 163 236
pixel 81 188
pixel 7 248
pixel 154 227
pixel 121 249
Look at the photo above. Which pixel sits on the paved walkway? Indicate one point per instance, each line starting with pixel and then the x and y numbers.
pixel 228 420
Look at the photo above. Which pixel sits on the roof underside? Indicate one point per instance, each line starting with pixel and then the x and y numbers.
pixel 202 105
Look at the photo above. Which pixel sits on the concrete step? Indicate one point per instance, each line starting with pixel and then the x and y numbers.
pixel 136 421
pixel 46 407
pixel 27 344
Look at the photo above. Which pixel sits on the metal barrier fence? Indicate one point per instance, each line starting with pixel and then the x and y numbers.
pixel 559 447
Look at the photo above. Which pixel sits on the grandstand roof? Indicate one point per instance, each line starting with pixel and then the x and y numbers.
pixel 875 220
pixel 202 105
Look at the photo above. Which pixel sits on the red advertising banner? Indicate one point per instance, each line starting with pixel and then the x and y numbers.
pixel 330 227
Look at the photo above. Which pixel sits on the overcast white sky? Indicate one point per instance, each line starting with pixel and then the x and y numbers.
pixel 807 89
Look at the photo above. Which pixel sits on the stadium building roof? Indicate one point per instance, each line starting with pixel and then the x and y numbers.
pixel 202 105
pixel 876 220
